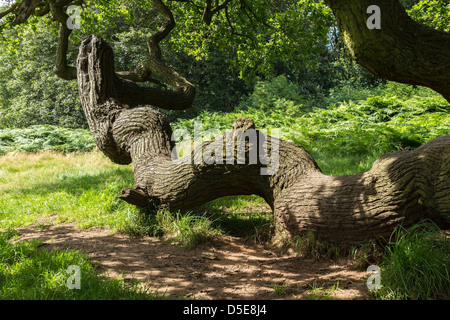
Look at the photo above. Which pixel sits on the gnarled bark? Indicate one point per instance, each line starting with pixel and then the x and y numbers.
pixel 403 187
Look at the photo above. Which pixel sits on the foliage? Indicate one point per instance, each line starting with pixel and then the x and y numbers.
pixel 435 13
pixel 274 94
pixel 45 137
pixel 259 33
pixel 217 82
pixel 297 39
pixel 392 117
pixel 30 92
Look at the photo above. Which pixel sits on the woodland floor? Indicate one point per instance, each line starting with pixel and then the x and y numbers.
pixel 225 268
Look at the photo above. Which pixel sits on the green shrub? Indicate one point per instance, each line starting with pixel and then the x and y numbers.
pixel 275 94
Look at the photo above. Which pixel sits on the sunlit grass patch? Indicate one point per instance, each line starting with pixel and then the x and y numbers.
pixel 74 187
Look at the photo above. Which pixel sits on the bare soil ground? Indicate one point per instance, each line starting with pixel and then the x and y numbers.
pixel 226 268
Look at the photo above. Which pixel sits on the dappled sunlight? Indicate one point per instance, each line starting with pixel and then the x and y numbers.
pixel 233 270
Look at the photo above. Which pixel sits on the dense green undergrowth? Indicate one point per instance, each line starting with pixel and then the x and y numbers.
pixel 345 137
pixel 416 264
pixel 348 135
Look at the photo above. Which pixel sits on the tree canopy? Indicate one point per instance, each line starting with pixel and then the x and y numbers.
pixel 221 47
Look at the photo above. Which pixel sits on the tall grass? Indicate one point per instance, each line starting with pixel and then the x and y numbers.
pixel 417 264
pixel 186 229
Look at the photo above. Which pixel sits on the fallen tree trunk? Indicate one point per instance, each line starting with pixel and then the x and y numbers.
pixel 401 188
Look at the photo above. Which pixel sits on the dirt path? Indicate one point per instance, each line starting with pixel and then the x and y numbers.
pixel 226 268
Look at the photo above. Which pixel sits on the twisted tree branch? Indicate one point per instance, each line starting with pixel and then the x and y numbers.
pixel 9 10
pixel 401 188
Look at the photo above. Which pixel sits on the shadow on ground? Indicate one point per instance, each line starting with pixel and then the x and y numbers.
pixel 225 268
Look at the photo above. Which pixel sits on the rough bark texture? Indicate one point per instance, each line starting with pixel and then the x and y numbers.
pixel 24 10
pixel 403 187
pixel 403 50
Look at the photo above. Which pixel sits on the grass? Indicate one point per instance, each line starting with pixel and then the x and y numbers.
pixel 186 229
pixel 248 217
pixel 363 254
pixel 417 264
pixel 28 273
pixel 83 188
pixel 279 289
pixel 72 187
pixel 414 264
pixel 320 293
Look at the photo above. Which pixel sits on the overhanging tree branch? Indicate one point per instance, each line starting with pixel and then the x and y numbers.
pixel 183 92
pixel 209 11
pixel 25 9
pixel 403 50
pixel 9 10
pixel 233 30
pixel 62 69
